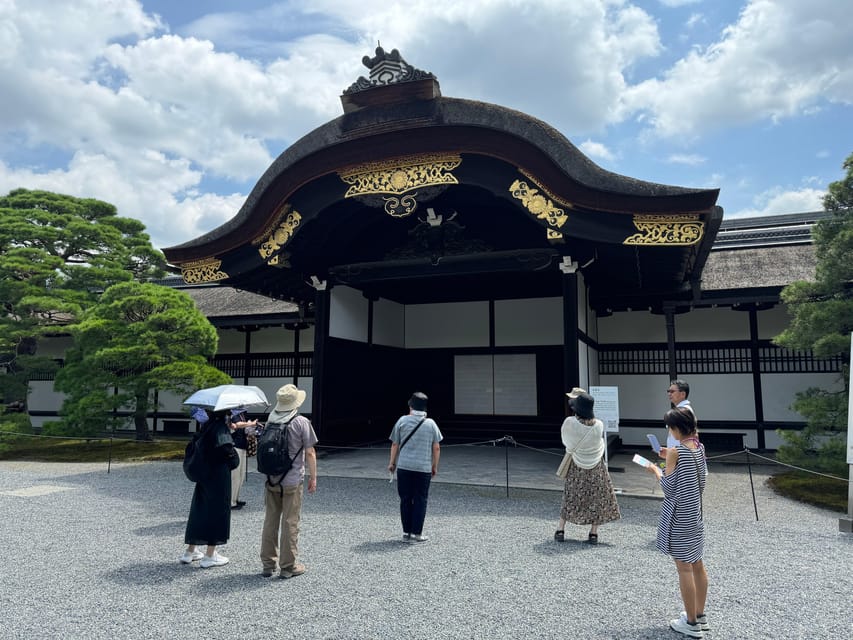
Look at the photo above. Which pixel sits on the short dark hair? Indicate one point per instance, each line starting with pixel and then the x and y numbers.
pixel 682 386
pixel 418 401
pixel 682 419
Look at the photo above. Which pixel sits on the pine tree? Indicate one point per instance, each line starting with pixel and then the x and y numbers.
pixel 822 320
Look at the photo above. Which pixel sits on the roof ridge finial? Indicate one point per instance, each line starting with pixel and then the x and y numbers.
pixel 387 68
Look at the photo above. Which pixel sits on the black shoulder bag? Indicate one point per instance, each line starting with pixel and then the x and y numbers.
pixel 403 443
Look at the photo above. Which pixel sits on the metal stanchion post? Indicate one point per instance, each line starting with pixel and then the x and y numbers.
pixel 751 485
pixel 506 463
pixel 110 454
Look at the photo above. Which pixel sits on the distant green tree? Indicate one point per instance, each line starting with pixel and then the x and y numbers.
pixel 822 319
pixel 138 339
pixel 57 254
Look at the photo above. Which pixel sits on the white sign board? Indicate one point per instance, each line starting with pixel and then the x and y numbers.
pixel 850 415
pixel 607 407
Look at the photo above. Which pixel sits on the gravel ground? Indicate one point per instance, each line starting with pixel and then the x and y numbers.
pixel 93 555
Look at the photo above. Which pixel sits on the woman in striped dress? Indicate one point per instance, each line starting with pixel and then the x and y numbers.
pixel 681 530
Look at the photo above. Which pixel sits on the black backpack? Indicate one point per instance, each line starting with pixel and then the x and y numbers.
pixel 273 456
pixel 195 464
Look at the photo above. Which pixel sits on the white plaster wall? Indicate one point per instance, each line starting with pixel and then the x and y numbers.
pixel 446 325
pixel 584 365
pixel 772 322
pixel 231 341
pixel 714 397
pixel 348 314
pixel 632 326
pixel 532 321
pixel 389 323
pixel 720 323
pixel 42 397
pixel 779 389
pixel 306 340
pixel 54 347
pixel 719 397
pixel 636 437
pixel 640 397
pixel 270 385
pixel 170 401
pixel 272 340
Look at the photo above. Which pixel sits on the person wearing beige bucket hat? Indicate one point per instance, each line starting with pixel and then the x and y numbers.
pixel 283 494
pixel 288 398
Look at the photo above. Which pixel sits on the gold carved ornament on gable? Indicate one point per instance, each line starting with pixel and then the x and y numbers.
pixel 396 178
pixel 537 204
pixel 199 271
pixel 271 241
pixel 662 230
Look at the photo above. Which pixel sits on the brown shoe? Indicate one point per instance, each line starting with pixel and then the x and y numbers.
pixel 292 572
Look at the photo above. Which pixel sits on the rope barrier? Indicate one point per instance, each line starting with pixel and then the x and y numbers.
pixel 791 466
pixel 82 438
pixel 505 440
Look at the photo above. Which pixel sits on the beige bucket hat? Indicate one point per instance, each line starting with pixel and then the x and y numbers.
pixel 289 397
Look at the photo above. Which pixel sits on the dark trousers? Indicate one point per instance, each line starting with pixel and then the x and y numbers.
pixel 413 487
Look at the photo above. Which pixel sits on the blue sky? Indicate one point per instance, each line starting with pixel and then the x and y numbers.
pixel 172 110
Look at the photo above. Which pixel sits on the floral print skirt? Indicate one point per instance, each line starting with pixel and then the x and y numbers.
pixel 588 496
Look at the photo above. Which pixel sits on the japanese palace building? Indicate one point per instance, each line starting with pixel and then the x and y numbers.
pixel 469 251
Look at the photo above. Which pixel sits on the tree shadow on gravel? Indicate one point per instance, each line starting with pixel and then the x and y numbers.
pixel 381 546
pixel 160 530
pixel 552 548
pixel 147 574
pixel 202 582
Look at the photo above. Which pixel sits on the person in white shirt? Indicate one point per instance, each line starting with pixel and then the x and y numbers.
pixel 588 496
pixel 677 393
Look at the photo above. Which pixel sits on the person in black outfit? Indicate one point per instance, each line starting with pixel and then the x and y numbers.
pixel 209 522
pixel 241 428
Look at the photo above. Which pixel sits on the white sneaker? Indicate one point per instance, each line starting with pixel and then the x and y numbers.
pixel 190 556
pixel 215 560
pixel 702 621
pixel 417 537
pixel 681 625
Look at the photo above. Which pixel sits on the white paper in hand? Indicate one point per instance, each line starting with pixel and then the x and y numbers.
pixel 640 460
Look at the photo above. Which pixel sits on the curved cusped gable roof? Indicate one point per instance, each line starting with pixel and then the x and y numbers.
pixel 419 121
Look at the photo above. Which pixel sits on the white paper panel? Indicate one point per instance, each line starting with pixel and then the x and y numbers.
pixel 515 384
pixel 472 385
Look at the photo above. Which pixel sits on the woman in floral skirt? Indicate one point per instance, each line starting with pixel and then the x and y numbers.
pixel 588 497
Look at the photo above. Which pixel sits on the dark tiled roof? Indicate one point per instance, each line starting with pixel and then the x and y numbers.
pixel 767 230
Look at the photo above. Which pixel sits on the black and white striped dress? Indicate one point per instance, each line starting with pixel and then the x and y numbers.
pixel 681 531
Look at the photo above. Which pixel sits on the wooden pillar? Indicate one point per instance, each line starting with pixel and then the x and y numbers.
pixel 756 376
pixel 322 304
pixel 296 355
pixel 247 353
pixel 571 366
pixel 672 366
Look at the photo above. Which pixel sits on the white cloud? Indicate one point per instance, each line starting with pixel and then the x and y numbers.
pixel 149 187
pixel 596 150
pixel 695 19
pixel 778 201
pixel 780 59
pixel 562 62
pixel 678 3
pixel 690 159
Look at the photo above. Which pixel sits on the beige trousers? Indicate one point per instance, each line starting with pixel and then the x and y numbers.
pixel 238 475
pixel 281 512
